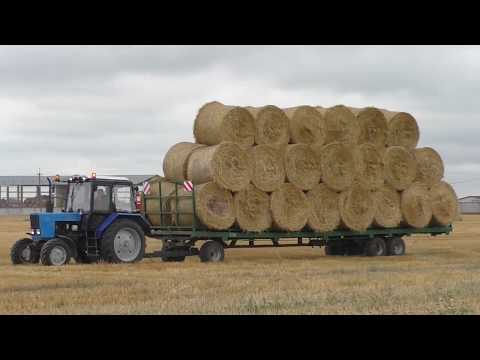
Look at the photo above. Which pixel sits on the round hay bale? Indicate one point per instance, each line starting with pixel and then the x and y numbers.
pixel 216 122
pixel 387 208
pixel 268 167
pixel 444 203
pixel 341 125
pixel 400 167
pixel 402 129
pixel 325 213
pixel 214 207
pixel 430 169
pixel 356 208
pixel 373 126
pixel 290 208
pixel 337 165
pixel 416 205
pixel 252 209
pixel 368 167
pixel 306 124
pixel 227 164
pixel 159 186
pixel 301 166
pixel 271 125
pixel 176 161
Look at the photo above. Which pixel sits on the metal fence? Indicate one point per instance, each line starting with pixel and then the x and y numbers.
pixel 23 196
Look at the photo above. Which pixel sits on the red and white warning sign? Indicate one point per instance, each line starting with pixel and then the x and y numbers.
pixel 188 186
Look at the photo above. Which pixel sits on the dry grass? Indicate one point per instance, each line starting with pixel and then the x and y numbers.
pixel 437 276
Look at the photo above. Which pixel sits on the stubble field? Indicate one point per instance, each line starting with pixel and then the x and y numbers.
pixel 437 276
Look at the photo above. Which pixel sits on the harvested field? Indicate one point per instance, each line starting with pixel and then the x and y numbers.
pixel 437 276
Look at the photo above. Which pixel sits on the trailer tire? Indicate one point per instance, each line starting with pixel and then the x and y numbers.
pixel 395 246
pixel 55 252
pixel 375 247
pixel 334 249
pixel 24 251
pixel 119 238
pixel 212 251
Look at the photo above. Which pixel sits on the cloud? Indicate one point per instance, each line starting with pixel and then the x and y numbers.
pixel 68 109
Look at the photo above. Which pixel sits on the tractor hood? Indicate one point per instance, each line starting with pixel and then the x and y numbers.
pixel 43 224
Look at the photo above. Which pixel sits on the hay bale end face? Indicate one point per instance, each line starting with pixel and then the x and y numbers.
pixel 325 213
pixel 402 129
pixel 227 164
pixel 306 125
pixel 388 213
pixel 214 206
pixel 252 209
pixel 356 210
pixel 271 125
pixel 416 205
pixel 400 167
pixel 369 171
pixel 444 204
pixel 337 166
pixel 373 127
pixel 290 208
pixel 159 186
pixel 430 168
pixel 216 122
pixel 301 166
pixel 176 161
pixel 341 125
pixel 268 167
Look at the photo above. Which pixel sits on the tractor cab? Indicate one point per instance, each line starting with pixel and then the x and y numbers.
pixel 83 229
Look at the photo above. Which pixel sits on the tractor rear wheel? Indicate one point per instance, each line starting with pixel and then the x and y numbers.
pixel 24 251
pixel 123 242
pixel 212 251
pixel 55 252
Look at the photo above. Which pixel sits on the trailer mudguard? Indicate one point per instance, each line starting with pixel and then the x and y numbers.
pixel 138 218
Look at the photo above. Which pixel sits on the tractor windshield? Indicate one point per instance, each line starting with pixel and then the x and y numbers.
pixel 79 196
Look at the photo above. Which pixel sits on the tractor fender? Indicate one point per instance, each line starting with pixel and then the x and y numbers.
pixel 138 218
pixel 71 243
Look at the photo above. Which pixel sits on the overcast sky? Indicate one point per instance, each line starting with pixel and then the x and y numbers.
pixel 117 109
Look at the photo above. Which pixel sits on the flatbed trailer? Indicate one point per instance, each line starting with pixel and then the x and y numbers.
pixel 180 241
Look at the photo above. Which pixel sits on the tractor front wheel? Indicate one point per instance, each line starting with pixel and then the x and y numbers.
pixel 24 251
pixel 55 252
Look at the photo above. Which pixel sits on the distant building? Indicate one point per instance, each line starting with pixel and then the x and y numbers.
pixel 469 205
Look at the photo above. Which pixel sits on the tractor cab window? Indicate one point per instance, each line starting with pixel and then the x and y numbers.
pixel 101 198
pixel 123 198
pixel 79 196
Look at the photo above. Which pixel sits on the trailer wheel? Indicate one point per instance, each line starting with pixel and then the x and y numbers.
pixel 24 251
pixel 334 248
pixel 212 251
pixel 55 252
pixel 375 247
pixel 123 242
pixel 395 246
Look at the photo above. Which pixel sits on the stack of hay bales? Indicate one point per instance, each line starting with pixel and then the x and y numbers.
pixel 306 168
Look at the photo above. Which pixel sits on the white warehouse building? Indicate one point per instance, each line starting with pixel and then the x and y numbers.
pixel 469 205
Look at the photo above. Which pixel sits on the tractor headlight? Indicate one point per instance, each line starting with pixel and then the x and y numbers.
pixel 37 231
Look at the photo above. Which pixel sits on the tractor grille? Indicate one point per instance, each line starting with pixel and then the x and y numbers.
pixel 34 222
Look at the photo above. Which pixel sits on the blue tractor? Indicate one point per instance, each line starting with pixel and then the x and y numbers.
pixel 99 222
